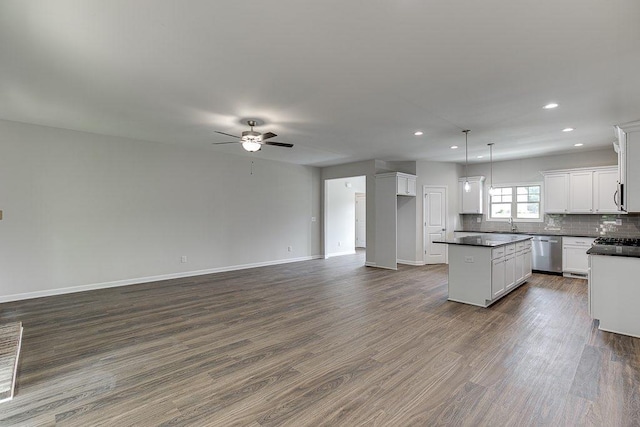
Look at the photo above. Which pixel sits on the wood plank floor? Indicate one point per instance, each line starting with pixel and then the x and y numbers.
pixel 320 343
pixel 10 339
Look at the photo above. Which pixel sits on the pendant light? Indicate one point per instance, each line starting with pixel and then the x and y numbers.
pixel 467 186
pixel 491 163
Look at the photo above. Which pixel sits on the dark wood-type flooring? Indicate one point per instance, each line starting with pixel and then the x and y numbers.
pixel 10 335
pixel 320 343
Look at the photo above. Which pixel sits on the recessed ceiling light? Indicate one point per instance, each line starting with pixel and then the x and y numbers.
pixel 454 147
pixel 480 157
pixel 579 144
pixel 550 105
pixel 568 130
pixel 418 133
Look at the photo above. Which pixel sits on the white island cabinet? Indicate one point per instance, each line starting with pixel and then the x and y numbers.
pixel 614 292
pixel 484 268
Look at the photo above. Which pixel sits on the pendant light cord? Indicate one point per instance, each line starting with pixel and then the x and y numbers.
pixel 466 154
pixel 491 164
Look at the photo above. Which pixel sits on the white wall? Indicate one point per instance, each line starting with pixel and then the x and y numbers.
pixel 528 170
pixel 340 208
pixel 437 174
pixel 82 209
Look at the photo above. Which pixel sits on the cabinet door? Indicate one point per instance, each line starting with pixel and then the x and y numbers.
pixel 471 201
pixel 510 272
pixel 519 267
pixel 526 262
pixel 497 277
pixel 401 183
pixel 556 193
pixel 411 186
pixel 405 186
pixel 575 259
pixel 605 185
pixel 581 192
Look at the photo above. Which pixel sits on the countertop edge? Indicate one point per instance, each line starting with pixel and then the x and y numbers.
pixel 551 233
pixel 511 242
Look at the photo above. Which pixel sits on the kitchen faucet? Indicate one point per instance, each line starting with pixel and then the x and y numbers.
pixel 514 227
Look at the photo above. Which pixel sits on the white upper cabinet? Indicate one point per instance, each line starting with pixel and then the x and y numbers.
pixel 470 202
pixel 405 184
pixel 556 192
pixel 628 158
pixel 581 191
pixel 605 186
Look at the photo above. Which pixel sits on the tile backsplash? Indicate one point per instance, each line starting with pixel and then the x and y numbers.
pixel 579 225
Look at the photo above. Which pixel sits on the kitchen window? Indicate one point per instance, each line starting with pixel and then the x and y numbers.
pixel 522 202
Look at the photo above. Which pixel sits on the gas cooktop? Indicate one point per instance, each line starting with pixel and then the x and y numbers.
pixel 617 241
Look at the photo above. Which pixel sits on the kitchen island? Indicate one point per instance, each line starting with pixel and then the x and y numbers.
pixel 614 292
pixel 483 269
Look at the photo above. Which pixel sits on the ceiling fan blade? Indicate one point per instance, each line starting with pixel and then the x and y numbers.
pixel 268 135
pixel 228 134
pixel 228 142
pixel 278 144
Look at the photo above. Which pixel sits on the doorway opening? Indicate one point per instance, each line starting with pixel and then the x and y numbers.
pixel 345 216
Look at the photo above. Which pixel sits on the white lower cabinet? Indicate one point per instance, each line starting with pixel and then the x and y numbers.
pixel 614 294
pixel 519 264
pixel 510 271
pixel 575 261
pixel 508 267
pixel 497 277
pixel 526 257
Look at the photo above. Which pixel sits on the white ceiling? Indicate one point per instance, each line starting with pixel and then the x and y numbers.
pixel 342 80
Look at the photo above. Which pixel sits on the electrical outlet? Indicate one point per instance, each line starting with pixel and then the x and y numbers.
pixel 183 259
pixel 618 221
pixel 313 219
pixel 468 259
pixel 289 248
pixel 478 220
pixel 339 243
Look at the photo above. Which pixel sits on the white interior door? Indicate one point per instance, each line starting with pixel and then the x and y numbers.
pixel 435 224
pixel 361 221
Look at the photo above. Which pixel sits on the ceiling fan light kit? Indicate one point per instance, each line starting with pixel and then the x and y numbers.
pixel 251 146
pixel 253 141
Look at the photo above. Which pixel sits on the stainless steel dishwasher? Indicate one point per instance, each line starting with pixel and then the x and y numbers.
pixel 546 252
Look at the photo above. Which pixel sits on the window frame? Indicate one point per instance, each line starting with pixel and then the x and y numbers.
pixel 514 202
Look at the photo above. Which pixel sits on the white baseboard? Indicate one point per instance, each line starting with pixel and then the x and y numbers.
pixel 339 254
pixel 370 264
pixel 406 262
pixel 138 280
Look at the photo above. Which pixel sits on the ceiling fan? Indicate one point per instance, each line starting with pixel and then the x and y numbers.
pixel 252 140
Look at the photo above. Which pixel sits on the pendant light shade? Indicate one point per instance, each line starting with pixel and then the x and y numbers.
pixel 467 186
pixel 491 191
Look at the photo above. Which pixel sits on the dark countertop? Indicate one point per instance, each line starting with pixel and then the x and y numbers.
pixel 487 241
pixel 615 250
pixel 546 233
